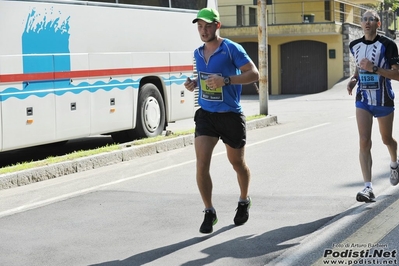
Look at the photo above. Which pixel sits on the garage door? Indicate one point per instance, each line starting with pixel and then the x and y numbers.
pixel 303 67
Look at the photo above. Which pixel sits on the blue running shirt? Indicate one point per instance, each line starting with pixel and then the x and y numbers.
pixel 225 61
pixel 374 89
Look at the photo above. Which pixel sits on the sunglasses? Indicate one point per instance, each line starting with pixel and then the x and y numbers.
pixel 370 19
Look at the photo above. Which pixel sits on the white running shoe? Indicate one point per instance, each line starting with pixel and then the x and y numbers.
pixel 366 195
pixel 394 178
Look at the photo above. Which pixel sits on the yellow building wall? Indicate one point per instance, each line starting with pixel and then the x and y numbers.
pixel 292 12
pixel 228 11
pixel 335 70
pixel 229 15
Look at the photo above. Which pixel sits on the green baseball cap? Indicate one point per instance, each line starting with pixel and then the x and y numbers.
pixel 208 15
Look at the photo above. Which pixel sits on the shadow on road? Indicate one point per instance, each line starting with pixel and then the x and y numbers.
pixel 243 247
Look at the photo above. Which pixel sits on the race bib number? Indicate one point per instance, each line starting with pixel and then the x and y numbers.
pixel 369 81
pixel 210 94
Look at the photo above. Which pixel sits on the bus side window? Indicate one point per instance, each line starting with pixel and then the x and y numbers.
pixel 183 4
pixel 103 1
pixel 159 3
pixel 189 4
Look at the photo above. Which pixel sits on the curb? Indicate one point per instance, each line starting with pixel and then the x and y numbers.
pixel 127 153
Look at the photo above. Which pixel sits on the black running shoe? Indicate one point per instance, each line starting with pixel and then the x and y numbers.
pixel 242 213
pixel 366 195
pixel 210 220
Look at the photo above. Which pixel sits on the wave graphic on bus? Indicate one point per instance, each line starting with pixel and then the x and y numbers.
pixel 42 38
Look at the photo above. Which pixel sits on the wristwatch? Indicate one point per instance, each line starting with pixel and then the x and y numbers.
pixel 375 69
pixel 227 80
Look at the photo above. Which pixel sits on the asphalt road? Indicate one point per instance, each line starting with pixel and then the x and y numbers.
pixel 147 211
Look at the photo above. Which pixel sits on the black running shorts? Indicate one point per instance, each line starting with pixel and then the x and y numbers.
pixel 230 127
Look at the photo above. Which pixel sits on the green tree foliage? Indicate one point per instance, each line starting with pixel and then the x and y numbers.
pixel 393 4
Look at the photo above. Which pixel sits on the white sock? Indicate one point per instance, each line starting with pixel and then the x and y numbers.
pixel 368 184
pixel 394 165
pixel 243 200
pixel 210 209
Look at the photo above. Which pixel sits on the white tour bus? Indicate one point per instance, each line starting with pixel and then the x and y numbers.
pixel 72 69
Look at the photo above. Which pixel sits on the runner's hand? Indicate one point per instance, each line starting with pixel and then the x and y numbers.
pixel 214 81
pixel 190 84
pixel 366 64
pixel 351 84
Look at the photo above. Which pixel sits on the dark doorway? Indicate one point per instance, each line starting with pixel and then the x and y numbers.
pixel 303 67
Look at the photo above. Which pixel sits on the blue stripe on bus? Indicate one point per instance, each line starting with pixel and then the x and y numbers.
pixel 43 88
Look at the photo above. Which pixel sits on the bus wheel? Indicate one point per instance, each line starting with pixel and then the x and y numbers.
pixel 150 112
pixel 150 116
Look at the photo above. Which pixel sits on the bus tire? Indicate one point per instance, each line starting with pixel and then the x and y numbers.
pixel 150 112
pixel 150 116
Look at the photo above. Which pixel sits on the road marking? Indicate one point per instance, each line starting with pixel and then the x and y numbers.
pixel 370 233
pixel 288 134
pixel 87 190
